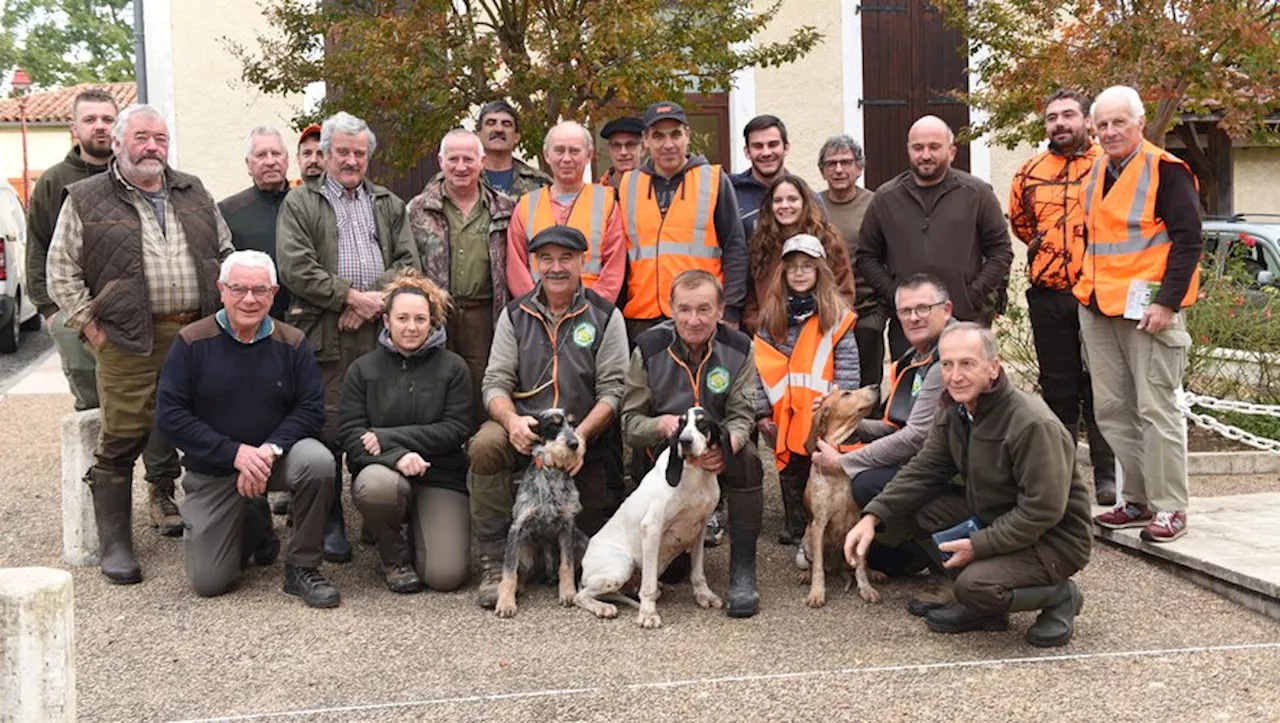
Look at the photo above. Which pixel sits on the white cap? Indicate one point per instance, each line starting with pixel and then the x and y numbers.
pixel 805 244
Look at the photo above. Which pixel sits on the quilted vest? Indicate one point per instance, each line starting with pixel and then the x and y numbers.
pixel 111 255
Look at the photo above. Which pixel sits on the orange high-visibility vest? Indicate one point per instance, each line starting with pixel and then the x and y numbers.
pixel 660 248
pixel 1124 239
pixel 589 214
pixel 793 383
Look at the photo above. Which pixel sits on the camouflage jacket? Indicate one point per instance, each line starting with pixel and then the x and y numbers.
pixel 431 237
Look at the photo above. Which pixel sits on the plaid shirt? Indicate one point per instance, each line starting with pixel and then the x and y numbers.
pixel 172 284
pixel 359 255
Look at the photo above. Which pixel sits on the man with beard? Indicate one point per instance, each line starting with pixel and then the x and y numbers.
pixel 251 214
pixel 92 113
pixel 310 157
pixel 134 258
pixel 936 220
pixel 1046 210
pixel 499 130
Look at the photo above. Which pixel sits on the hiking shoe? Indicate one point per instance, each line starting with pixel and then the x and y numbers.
pixel 490 578
pixel 403 579
pixel 715 532
pixel 308 584
pixel 1131 514
pixel 164 513
pixel 956 618
pixel 1166 527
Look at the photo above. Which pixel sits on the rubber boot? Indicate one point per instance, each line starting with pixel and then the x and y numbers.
pixel 336 546
pixel 1058 605
pixel 165 517
pixel 745 510
pixel 491 539
pixel 794 516
pixel 1104 467
pixel 113 511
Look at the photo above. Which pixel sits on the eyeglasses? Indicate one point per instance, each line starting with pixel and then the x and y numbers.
pixel 835 163
pixel 624 145
pixel 239 292
pixel 921 311
pixel 803 267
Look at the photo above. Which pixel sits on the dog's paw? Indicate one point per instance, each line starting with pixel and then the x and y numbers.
pixel 505 608
pixel 567 595
pixel 804 577
pixel 816 599
pixel 877 577
pixel 869 594
pixel 649 620
pixel 707 599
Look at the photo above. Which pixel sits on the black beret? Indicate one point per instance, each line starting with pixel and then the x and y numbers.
pixel 565 236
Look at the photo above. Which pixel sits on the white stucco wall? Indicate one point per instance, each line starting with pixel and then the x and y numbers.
pixel 46 145
pixel 1257 180
pixel 212 109
pixel 807 94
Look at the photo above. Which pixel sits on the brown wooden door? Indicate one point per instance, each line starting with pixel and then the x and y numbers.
pixel 910 59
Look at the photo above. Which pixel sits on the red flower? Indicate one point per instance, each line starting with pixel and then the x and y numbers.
pixel 1248 240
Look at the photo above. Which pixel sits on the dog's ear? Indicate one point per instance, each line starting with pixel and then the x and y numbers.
pixel 675 465
pixel 817 429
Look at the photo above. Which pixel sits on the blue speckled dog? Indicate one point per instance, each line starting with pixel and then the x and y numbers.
pixel 545 511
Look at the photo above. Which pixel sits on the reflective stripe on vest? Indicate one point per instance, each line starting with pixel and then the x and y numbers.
pixel 661 246
pixel 793 382
pixel 1125 241
pixel 539 213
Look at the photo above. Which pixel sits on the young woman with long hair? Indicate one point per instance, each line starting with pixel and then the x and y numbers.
pixel 790 208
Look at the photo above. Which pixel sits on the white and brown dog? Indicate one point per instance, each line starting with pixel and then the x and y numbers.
pixel 832 509
pixel 663 518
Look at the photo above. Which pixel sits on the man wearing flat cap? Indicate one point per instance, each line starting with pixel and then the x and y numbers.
pixel 560 345
pixel 623 136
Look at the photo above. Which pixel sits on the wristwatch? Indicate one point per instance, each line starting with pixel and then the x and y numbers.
pixel 277 450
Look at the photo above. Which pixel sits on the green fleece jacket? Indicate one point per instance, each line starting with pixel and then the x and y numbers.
pixel 1019 468
pixel 42 217
pixel 307 255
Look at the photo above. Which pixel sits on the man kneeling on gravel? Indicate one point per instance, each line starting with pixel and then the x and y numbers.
pixel 1017 528
pixel 241 396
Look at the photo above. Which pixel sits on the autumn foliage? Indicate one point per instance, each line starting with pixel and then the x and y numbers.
pixel 415 69
pixel 1203 57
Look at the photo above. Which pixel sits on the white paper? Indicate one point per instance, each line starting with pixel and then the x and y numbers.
pixel 1140 296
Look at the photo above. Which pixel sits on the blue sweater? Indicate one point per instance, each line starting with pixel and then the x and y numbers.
pixel 217 393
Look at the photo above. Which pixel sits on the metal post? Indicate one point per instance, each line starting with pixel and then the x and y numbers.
pixel 22 114
pixel 139 51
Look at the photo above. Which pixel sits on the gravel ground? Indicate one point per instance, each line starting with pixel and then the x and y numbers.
pixel 156 652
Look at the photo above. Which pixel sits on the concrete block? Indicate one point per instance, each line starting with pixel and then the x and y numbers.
pixel 37 645
pixel 1205 464
pixel 80 433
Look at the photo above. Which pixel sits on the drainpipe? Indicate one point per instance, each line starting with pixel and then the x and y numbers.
pixel 139 51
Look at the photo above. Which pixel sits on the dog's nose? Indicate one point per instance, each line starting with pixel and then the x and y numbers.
pixel 573 445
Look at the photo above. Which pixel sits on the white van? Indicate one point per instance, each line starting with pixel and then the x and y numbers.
pixel 16 310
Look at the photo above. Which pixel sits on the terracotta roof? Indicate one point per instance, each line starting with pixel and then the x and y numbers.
pixel 54 106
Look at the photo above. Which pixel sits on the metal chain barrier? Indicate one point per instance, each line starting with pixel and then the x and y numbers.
pixel 1185 400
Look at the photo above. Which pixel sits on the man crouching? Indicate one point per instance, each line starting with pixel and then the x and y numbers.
pixel 1021 493
pixel 241 395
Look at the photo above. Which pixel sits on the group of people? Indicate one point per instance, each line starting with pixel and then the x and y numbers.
pixel 293 326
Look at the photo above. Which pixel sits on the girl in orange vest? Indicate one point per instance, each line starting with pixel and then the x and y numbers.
pixel 804 348
pixel 789 208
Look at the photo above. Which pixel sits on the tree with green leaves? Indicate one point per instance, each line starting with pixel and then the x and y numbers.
pixel 64 42
pixel 415 69
pixel 1218 58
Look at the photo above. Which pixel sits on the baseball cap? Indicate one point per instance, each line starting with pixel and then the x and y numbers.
pixel 627 124
pixel 311 130
pixel 665 110
pixel 805 244
pixel 565 236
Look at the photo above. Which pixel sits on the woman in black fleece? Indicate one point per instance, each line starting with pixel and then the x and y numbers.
pixel 405 415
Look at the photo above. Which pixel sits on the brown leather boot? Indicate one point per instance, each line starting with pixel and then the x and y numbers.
pixel 113 510
pixel 163 510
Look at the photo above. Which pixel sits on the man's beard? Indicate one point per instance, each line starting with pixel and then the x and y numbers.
pixel 92 148
pixel 137 171
pixel 1077 142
